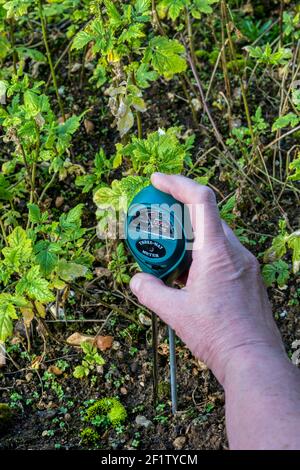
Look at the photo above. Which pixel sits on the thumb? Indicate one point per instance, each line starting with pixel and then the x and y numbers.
pixel 166 301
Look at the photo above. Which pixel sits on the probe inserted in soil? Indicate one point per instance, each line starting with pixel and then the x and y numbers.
pixel 158 230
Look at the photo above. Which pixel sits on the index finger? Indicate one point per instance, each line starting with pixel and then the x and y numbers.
pixel 200 200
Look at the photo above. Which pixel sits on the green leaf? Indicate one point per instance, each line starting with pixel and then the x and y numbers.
pixel 80 372
pixel 19 249
pixel 69 126
pixel 8 313
pixel 290 119
pixel 143 76
pixel 294 244
pixel 276 272
pixel 46 256
pixel 34 213
pixel 115 18
pixel 294 166
pixel 82 39
pixel 142 6
pixel 120 194
pixel 4 47
pixel 165 56
pixel 32 102
pixel 173 7
pixel 160 151
pixel 68 271
pixel 227 208
pixel 203 6
pixel 35 286
pixel 34 54
pixel 72 217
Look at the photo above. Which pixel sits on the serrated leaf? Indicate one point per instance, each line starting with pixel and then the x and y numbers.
pixel 290 119
pixel 121 192
pixel 32 102
pixel 173 7
pixel 80 372
pixel 227 208
pixel 142 6
pixel 68 271
pixel 34 54
pixel 166 56
pixel 34 286
pixel 19 249
pixel 34 213
pixel 143 76
pixel 81 40
pixel 115 18
pixel 46 256
pixel 7 314
pixel 276 272
pixel 203 6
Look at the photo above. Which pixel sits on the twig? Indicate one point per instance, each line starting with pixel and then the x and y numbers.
pixel 44 31
pixel 282 137
pixel 204 104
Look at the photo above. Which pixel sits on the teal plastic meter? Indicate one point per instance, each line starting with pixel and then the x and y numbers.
pixel 158 231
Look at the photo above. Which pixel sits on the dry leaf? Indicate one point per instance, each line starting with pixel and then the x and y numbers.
pixel 36 363
pixel 2 354
pixel 144 319
pixel 102 272
pixel 59 201
pixel 104 342
pixel 163 349
pixel 89 126
pixel 28 316
pixel 77 338
pixel 40 309
pixel 55 370
pixel 75 67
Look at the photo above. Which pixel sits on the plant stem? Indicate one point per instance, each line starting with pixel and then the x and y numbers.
pixel 12 40
pixel 156 19
pixel 3 231
pixel 44 31
pixel 223 53
pixel 187 95
pixel 204 104
pixel 190 35
pixel 139 124
pixel 47 187
pixel 243 88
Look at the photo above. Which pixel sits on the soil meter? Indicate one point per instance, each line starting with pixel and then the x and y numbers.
pixel 158 231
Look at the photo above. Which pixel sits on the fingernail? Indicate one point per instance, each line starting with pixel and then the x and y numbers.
pixel 135 285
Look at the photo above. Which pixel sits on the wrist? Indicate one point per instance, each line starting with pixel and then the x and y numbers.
pixel 246 358
pixel 243 345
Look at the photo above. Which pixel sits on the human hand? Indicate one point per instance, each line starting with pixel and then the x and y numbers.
pixel 224 307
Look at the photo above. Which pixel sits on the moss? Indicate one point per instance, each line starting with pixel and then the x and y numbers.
pixel 109 407
pixel 163 390
pixel 6 416
pixel 89 436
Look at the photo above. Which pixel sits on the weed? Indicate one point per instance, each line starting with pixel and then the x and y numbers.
pixel 91 359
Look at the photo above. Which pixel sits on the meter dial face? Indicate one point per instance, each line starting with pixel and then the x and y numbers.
pixel 153 222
